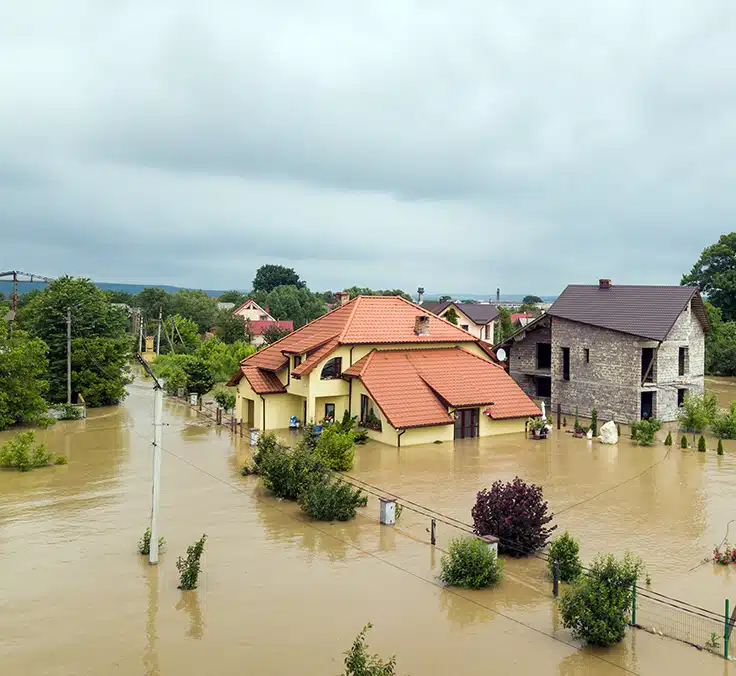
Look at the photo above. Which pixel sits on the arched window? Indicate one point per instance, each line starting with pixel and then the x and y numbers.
pixel 332 369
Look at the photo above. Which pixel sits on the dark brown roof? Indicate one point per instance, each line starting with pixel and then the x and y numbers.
pixel 646 311
pixel 479 313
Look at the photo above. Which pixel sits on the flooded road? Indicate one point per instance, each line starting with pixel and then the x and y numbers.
pixel 282 595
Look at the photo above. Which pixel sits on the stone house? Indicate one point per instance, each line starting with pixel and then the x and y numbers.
pixel 631 352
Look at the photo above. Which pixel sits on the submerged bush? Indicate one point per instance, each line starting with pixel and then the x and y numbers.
pixel 286 473
pixel 516 514
pixel 22 453
pixel 724 423
pixel 327 500
pixel 144 544
pixel 470 563
pixel 190 567
pixel 69 412
pixel 336 448
pixel 668 440
pixel 643 431
pixel 359 662
pixel 701 444
pixel 565 552
pixel 683 441
pixel 720 447
pixel 697 411
pixel 597 606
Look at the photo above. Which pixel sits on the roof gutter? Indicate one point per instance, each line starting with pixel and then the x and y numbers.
pixel 398 438
pixel 263 399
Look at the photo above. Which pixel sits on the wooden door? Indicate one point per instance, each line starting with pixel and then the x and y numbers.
pixel 466 423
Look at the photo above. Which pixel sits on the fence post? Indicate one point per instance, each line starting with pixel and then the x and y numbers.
pixel 726 633
pixel 433 532
pixel 633 604
pixel 556 580
pixel 559 415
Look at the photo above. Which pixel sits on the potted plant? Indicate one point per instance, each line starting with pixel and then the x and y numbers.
pixel 537 426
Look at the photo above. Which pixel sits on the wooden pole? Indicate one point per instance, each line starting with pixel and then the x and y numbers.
pixel 559 415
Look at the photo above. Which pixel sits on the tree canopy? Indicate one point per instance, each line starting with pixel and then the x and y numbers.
pixel 236 297
pixel 291 302
pixel 531 300
pixel 229 328
pixel 355 291
pixel 715 275
pixel 720 344
pixel 268 277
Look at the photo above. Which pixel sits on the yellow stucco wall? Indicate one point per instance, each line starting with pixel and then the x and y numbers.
pixel 279 408
pixel 427 435
pixel 387 435
pixel 488 427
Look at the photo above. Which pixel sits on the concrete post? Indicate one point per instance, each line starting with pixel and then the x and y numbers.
pixel 387 511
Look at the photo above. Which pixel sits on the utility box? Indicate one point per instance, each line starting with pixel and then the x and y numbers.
pixel 492 542
pixel 388 511
pixel 193 399
pixel 254 434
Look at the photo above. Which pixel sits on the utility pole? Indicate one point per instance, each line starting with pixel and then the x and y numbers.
pixel 140 332
pixel 68 355
pixel 158 411
pixel 158 335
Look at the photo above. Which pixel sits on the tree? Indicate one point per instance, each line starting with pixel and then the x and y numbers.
pixel 290 302
pixel 724 423
pixel 23 384
pixel 445 299
pixel 99 369
pixel 336 449
pixel 359 662
pixel 471 564
pixel 273 333
pixel 697 412
pixel 181 333
pixel 225 400
pixel 229 327
pixel 531 300
pixel 150 300
pixel 720 344
pixel 328 500
pixel 200 379
pixel 451 316
pixel 504 328
pixel 96 324
pixel 516 514
pixel 715 275
pixel 597 606
pixel 197 306
pixel 564 552
pixel 236 297
pixel 356 291
pixel 123 297
pixel 268 277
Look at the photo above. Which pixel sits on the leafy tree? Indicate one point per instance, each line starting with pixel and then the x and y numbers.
pixel 288 473
pixel 200 379
pixel 565 552
pixel 190 567
pixel 720 344
pixel 715 274
pixel 229 328
pixel 120 297
pixel 268 277
pixel 516 514
pixel 290 302
pixel 100 369
pixel 222 358
pixel 23 384
pixel 471 564
pixel 197 306
pixel 336 448
pixel 180 334
pixel 697 411
pixel 724 423
pixel 236 297
pixel 358 662
pixel 529 308
pixel 643 431
pixel 97 325
pixel 503 328
pixel 328 500
pixel 150 300
pixel 356 291
pixel 273 333
pixel 225 400
pixel 597 606
pixel 451 316
pixel 531 300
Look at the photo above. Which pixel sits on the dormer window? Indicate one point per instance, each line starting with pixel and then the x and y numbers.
pixel 332 369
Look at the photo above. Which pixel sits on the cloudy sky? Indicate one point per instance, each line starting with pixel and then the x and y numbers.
pixel 456 145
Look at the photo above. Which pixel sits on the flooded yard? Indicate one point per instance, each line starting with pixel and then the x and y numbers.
pixel 283 595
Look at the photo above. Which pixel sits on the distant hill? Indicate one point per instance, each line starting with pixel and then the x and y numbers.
pixel 486 297
pixel 7 287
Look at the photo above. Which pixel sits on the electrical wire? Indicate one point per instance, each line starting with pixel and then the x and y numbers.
pixel 382 560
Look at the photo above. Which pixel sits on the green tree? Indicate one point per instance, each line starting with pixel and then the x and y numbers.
pixel 200 379
pixel 359 662
pixel 565 553
pixel 99 369
pixel 290 302
pixel 229 328
pixel 451 316
pixel 273 333
pixel 268 277
pixel 96 324
pixel 596 608
pixel 714 274
pixel 356 291
pixel 197 306
pixel 23 384
pixel 697 412
pixel 336 449
pixel 120 297
pixel 471 564
pixel 150 300
pixel 181 333
pixel 531 300
pixel 503 328
pixel 720 344
pixel 236 297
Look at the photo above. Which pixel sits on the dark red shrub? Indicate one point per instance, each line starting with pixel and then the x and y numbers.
pixel 516 514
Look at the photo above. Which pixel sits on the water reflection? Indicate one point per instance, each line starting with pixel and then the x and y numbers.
pixel 461 611
pixel 150 654
pixel 190 603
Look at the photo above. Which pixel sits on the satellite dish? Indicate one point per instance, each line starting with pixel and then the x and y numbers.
pixel 501 354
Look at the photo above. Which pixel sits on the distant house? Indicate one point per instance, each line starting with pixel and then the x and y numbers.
pixel 225 306
pixel 521 319
pixel 409 376
pixel 631 352
pixel 477 319
pixel 259 320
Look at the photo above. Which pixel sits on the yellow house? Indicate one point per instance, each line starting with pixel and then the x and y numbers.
pixel 411 377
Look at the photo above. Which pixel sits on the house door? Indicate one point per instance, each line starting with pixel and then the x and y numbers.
pixel 363 408
pixel 250 413
pixel 466 423
pixel 647 405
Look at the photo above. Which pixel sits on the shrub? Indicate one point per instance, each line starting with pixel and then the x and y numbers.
pixel 720 447
pixel 358 662
pixel 643 431
pixel 594 421
pixel 683 441
pixel 225 400
pixel 596 608
pixel 266 443
pixel 46 421
pixel 347 424
pixel 470 563
pixel 360 436
pixel 22 453
pixel 189 568
pixel 336 448
pixel 61 460
pixel 668 440
pixel 697 412
pixel 327 500
pixel 144 544
pixel 516 514
pixel 69 412
pixel 565 552
pixel 286 473
pixel 701 444
pixel 724 423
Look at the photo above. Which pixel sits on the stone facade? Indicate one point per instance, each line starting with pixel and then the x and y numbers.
pixel 605 367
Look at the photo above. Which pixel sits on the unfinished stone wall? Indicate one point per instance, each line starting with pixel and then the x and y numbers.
pixel 523 356
pixel 610 381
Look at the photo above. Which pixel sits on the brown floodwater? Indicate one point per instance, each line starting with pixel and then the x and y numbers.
pixel 280 594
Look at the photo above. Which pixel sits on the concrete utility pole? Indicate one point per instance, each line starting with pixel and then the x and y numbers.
pixel 140 332
pixel 158 411
pixel 68 355
pixel 158 335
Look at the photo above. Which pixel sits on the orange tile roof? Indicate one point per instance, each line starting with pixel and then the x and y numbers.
pixel 307 366
pixel 262 382
pixel 408 385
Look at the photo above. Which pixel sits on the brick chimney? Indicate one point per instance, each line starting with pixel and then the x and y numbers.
pixel 342 297
pixel 604 283
pixel 420 295
pixel 421 325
